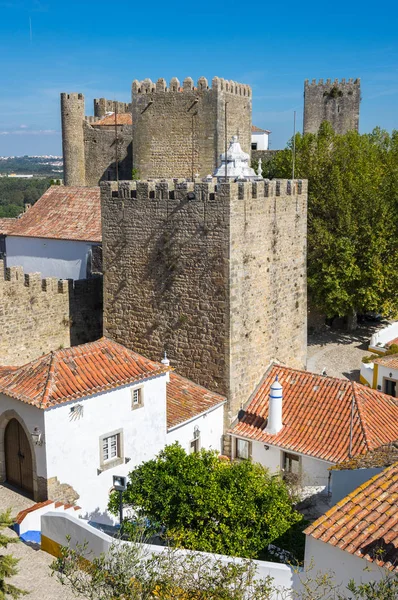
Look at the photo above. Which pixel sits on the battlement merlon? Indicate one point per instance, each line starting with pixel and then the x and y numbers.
pixel 103 106
pixel 218 84
pixel 329 82
pixel 15 276
pixel 195 191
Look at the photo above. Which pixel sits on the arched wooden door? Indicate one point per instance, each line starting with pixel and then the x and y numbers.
pixel 19 469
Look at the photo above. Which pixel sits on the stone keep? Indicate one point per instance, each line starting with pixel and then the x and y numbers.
pixel 179 131
pixel 89 150
pixel 336 102
pixel 214 274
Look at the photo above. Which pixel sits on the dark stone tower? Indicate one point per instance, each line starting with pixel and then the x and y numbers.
pixel 336 102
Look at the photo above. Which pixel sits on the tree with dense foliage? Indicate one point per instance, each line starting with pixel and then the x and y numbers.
pixel 8 564
pixel 204 503
pixel 352 217
pixel 16 192
pixel 130 572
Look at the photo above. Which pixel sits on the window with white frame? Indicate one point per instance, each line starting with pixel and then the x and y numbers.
pixel 111 449
pixel 243 449
pixel 137 398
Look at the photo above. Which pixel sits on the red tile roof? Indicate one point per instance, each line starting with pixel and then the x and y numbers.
pixel 365 523
pixel 317 415
pixel 121 119
pixel 186 400
pixel 391 342
pixel 258 130
pixel 6 225
pixel 64 213
pixel 76 373
pixel 390 361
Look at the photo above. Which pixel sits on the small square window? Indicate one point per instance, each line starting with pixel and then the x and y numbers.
pixel 111 450
pixel 254 145
pixel 137 398
pixel 243 449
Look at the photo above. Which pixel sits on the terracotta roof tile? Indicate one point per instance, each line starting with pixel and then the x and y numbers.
pixel 186 399
pixel 76 372
pixel 64 213
pixel 390 361
pixel 317 415
pixel 258 130
pixel 373 534
pixel 6 225
pixel 109 120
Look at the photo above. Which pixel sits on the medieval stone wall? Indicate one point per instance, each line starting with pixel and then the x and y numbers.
pixel 39 315
pixel 179 131
pixel 214 274
pixel 72 118
pixel 102 106
pixel 100 153
pixel 337 102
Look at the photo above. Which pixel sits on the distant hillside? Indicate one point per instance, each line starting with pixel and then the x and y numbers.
pixel 42 166
pixel 15 193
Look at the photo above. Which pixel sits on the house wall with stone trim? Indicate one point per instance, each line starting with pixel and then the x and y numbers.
pixel 214 274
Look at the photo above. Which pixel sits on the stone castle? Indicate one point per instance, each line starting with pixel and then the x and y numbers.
pixel 337 102
pixel 167 131
pixel 213 273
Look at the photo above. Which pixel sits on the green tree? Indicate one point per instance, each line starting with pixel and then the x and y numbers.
pixel 352 217
pixel 8 564
pixel 204 503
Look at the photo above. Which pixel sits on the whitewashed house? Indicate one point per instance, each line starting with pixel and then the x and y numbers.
pixel 59 236
pixel 382 374
pixel 358 538
pixel 260 138
pixel 304 423
pixel 72 419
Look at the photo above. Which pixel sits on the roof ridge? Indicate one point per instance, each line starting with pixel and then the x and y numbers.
pixel 362 419
pixel 49 381
pixel 305 372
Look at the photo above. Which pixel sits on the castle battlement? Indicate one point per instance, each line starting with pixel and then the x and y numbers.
pixel 195 191
pixel 147 86
pixel 329 82
pixel 15 276
pixel 103 105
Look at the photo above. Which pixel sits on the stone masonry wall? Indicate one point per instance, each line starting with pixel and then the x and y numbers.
pixel 39 315
pixel 102 106
pixel 214 274
pixel 178 131
pixel 100 153
pixel 337 102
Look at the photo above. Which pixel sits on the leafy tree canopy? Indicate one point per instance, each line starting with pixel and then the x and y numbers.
pixel 352 217
pixel 208 504
pixel 8 564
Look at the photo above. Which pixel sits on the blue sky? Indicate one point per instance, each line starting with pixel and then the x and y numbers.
pixel 98 48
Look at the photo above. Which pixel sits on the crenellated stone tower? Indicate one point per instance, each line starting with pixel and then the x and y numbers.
pixel 72 119
pixel 337 102
pixel 214 273
pixel 179 131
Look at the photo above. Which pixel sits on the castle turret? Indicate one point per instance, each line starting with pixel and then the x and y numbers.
pixel 336 102
pixel 72 118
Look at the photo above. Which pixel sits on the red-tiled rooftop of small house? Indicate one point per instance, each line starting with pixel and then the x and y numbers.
pixel 316 415
pixel 365 523
pixel 121 119
pixel 64 213
pixel 76 373
pixel 186 400
pixel 381 457
pixel 390 361
pixel 6 225
pixel 258 130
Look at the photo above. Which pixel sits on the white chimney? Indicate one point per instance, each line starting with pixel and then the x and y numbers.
pixel 274 424
pixel 165 361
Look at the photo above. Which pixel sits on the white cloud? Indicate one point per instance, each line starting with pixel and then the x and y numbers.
pixel 31 132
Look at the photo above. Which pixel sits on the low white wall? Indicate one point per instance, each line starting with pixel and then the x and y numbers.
pixel 63 259
pixel 367 373
pixel 381 337
pixel 56 527
pixel 345 481
pixel 211 427
pixel 322 557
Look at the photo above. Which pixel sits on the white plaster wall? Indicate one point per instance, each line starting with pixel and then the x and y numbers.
pixel 345 481
pixel 314 472
pixel 73 445
pixel 261 139
pixel 367 372
pixel 64 259
pixel 328 559
pixel 381 337
pixel 32 417
pixel 210 427
pixel 56 527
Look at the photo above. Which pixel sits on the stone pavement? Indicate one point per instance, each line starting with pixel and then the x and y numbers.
pixel 34 567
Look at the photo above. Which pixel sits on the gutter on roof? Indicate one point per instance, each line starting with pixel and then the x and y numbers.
pixel 202 414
